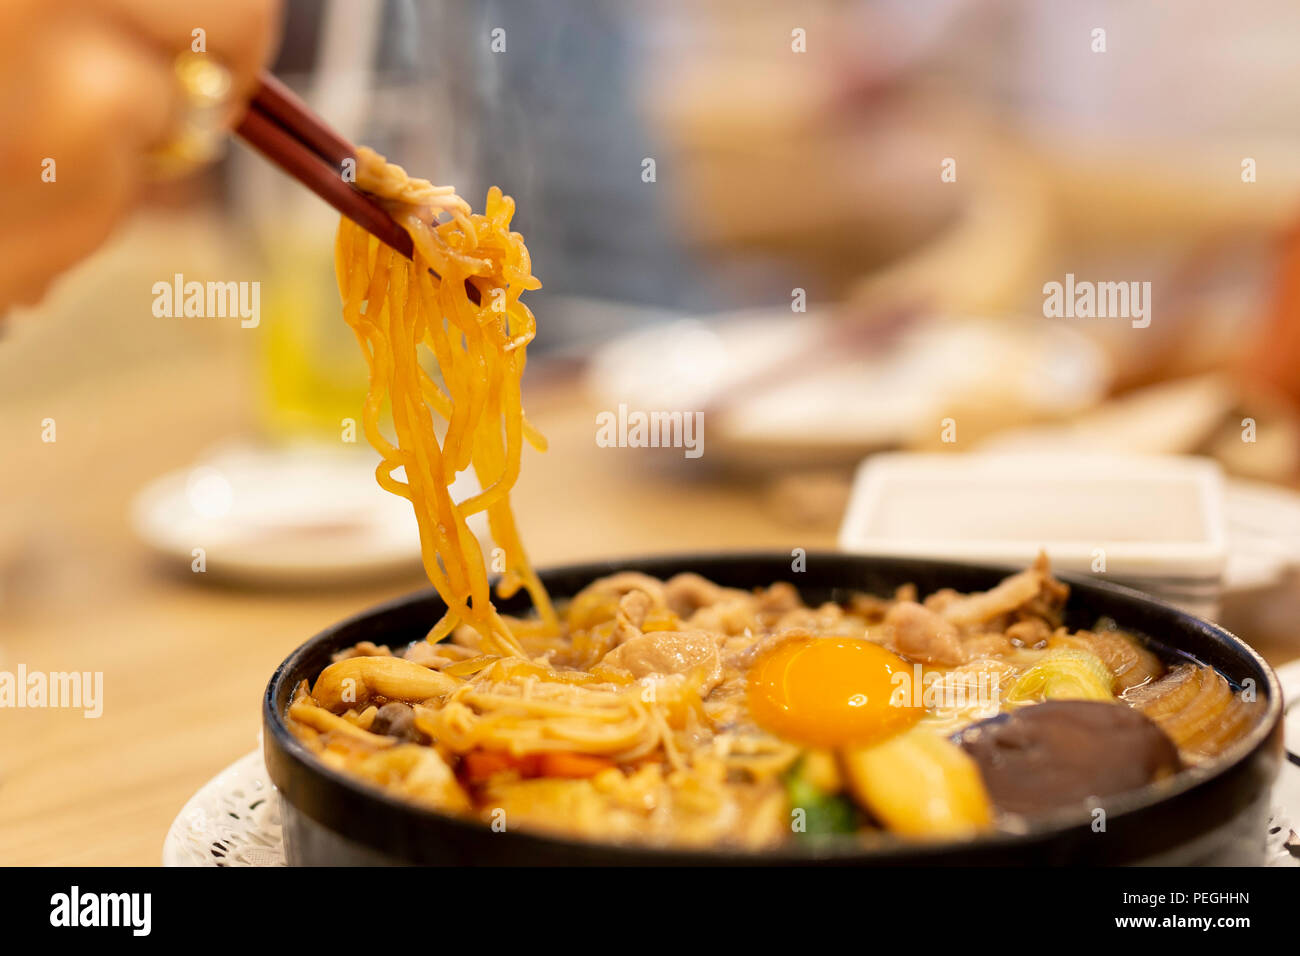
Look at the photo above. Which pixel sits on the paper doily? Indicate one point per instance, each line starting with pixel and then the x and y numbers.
pixel 233 821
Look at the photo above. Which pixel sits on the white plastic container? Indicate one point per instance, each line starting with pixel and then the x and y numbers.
pixel 1152 522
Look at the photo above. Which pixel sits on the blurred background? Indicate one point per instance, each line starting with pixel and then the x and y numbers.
pixel 840 245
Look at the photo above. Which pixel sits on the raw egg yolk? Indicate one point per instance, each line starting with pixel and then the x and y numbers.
pixel 831 692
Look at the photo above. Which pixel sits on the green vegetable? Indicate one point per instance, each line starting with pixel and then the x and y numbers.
pixel 823 813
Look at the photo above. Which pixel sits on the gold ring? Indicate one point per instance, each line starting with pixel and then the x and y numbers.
pixel 200 135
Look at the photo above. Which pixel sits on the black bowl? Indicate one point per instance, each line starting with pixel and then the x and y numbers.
pixel 1214 814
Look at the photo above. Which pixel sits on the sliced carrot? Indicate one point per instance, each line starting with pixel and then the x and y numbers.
pixel 561 764
pixel 479 766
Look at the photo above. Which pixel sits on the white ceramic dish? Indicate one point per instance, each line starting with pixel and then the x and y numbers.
pixel 297 515
pixel 1155 522
pixel 847 403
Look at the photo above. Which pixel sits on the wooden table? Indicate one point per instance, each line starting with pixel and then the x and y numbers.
pixel 185 662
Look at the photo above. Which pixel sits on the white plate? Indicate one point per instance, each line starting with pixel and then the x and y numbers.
pixel 302 514
pixel 848 404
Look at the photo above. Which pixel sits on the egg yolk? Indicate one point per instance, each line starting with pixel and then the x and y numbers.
pixel 831 692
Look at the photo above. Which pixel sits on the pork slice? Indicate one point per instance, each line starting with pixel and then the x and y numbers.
pixel 920 634
pixel 633 608
pixel 661 653
pixel 733 614
pixel 686 593
pixel 984 606
pixel 779 598
pixel 617 585
pixel 1032 592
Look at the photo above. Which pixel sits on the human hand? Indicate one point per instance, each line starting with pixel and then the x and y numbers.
pixel 88 92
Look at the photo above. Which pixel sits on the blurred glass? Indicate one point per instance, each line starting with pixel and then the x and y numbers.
pixel 311 374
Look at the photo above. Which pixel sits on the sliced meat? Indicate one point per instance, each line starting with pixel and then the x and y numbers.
pixel 824 618
pixel 633 609
pixel 439 655
pixel 976 646
pixel 983 606
pixel 599 601
pixel 616 585
pixel 734 613
pixel 920 634
pixel 669 652
pixel 1033 632
pixel 779 598
pixel 705 606
pixel 1032 592
pixel 801 617
pixel 362 649
pixel 686 593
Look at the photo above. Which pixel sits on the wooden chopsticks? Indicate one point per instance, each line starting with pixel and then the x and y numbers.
pixel 282 127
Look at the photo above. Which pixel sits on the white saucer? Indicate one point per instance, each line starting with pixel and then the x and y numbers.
pixel 301 514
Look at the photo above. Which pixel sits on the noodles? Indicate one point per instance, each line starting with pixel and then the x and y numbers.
pixel 510 700
pixel 395 306
pixel 539 716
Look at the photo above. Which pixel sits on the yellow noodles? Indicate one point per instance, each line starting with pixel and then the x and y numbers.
pixel 540 716
pixel 395 306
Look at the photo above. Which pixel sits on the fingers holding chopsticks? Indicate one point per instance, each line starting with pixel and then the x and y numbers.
pixel 89 92
pixel 238 34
